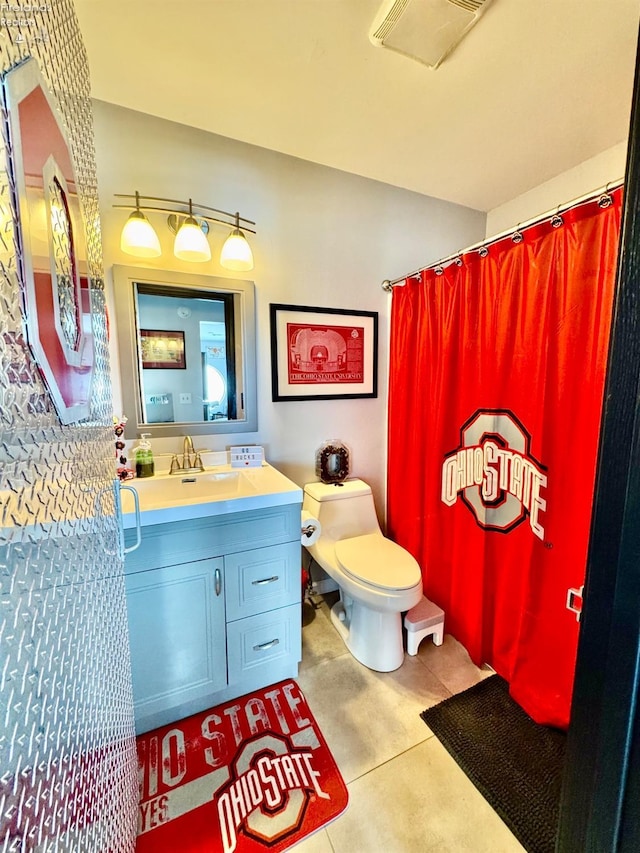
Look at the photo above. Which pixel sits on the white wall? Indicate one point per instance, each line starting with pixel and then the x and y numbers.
pixel 324 238
pixel 592 174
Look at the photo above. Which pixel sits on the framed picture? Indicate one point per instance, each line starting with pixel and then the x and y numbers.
pixel 162 350
pixel 323 353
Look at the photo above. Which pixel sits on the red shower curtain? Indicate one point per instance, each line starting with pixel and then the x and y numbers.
pixel 497 371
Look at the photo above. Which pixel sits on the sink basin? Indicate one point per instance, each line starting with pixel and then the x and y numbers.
pixel 175 489
pixel 173 497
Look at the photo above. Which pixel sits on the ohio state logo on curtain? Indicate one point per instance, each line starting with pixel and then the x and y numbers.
pixel 494 473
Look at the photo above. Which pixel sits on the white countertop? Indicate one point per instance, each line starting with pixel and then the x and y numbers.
pixel 216 491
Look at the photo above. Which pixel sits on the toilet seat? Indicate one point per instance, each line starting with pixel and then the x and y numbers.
pixel 377 561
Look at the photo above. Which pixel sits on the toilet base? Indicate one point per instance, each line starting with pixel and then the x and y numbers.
pixel 372 637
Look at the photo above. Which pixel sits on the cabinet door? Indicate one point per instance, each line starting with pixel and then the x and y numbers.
pixel 177 635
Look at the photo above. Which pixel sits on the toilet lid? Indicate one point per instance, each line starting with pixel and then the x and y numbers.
pixel 378 561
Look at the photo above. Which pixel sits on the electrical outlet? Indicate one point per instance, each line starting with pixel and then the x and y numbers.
pixel 185 399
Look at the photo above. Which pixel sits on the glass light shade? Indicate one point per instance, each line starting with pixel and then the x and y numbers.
pixel 190 243
pixel 236 253
pixel 138 237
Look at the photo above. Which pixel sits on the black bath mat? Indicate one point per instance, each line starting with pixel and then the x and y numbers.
pixel 515 763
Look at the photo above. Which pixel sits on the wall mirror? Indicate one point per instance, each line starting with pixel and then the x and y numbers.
pixel 187 352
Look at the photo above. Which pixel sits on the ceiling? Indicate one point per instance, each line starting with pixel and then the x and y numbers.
pixel 536 87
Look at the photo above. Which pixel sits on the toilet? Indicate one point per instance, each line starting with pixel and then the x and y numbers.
pixel 378 579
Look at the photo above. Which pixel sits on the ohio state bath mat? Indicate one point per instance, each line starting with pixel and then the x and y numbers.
pixel 250 775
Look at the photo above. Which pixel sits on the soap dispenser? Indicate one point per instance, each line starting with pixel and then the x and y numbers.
pixel 144 457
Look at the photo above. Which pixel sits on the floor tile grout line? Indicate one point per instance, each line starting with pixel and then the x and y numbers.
pixel 429 736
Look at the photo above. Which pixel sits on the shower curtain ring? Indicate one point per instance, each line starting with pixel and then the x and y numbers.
pixel 483 251
pixel 458 261
pixel 439 270
pixel 517 236
pixel 605 199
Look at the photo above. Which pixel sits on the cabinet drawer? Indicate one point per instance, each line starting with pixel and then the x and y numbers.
pixel 259 641
pixel 263 579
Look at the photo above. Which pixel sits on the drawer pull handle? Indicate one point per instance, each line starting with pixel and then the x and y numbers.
pixel 263 646
pixel 218 582
pixel 266 580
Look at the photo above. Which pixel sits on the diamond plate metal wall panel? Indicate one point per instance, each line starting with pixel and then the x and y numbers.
pixel 68 771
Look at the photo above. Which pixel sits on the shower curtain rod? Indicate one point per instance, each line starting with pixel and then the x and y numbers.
pixel 389 284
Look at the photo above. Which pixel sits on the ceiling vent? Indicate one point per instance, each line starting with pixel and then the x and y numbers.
pixel 426 30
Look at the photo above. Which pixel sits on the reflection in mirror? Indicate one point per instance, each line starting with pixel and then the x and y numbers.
pixel 180 365
pixel 187 352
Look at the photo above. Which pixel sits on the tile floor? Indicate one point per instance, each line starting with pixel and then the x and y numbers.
pixel 406 794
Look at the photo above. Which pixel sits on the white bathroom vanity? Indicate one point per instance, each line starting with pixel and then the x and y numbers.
pixel 213 590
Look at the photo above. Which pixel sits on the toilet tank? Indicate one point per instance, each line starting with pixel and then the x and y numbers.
pixel 343 509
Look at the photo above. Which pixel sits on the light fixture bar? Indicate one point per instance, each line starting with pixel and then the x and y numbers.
pixel 184 205
pixel 190 224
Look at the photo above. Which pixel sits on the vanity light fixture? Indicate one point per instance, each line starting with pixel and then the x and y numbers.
pixel 190 225
pixel 191 243
pixel 138 237
pixel 236 253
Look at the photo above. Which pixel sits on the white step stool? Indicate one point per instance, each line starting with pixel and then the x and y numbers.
pixel 422 620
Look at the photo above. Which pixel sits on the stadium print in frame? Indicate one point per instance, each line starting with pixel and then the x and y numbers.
pixel 323 353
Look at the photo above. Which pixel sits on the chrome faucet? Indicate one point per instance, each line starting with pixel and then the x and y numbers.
pixel 191 461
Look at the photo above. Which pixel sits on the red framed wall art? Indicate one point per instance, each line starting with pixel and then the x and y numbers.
pixel 162 350
pixel 323 353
